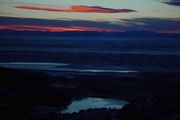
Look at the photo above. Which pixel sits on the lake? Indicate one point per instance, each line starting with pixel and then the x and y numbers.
pixel 92 103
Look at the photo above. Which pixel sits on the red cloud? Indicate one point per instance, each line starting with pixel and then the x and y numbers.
pixel 54 29
pixel 85 9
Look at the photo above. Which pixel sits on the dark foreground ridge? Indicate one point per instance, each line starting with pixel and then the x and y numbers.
pixel 152 96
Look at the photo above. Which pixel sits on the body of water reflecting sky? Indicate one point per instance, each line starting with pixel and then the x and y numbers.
pixel 91 15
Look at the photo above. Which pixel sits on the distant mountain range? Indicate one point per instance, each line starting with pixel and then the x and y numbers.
pixel 89 34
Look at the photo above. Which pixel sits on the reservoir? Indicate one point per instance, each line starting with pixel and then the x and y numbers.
pixel 92 103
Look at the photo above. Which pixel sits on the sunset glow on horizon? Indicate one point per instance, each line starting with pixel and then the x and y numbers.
pixel 54 29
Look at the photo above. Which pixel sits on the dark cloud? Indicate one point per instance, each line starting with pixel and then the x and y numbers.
pixel 173 2
pixel 81 9
pixel 55 25
pixel 63 23
pixel 154 24
pixel 138 24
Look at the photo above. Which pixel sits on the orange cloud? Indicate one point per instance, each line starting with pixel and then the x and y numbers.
pixel 83 9
pixel 54 29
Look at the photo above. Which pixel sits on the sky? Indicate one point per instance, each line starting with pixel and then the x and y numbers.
pixel 161 16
